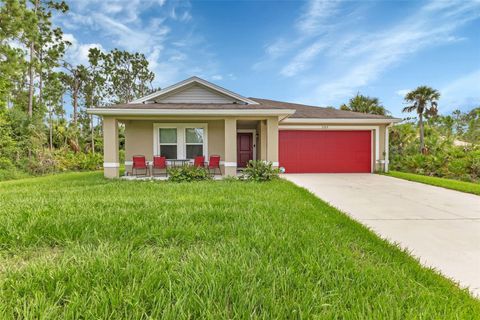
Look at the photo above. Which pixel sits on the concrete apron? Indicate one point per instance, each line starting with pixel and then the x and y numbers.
pixel 440 227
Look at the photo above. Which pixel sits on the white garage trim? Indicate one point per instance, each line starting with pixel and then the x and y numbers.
pixel 376 129
pixel 314 121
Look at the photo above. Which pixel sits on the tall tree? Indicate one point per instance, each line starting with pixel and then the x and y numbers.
pixel 365 104
pixel 33 37
pixel 74 79
pixel 423 100
pixel 128 75
pixel 53 98
pixel 14 20
pixel 94 89
pixel 43 41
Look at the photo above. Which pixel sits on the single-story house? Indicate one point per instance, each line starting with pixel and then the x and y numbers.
pixel 196 117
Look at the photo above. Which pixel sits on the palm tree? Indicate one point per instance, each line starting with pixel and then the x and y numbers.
pixel 423 100
pixel 364 104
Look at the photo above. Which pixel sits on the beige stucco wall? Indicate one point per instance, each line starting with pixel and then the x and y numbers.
pixel 139 137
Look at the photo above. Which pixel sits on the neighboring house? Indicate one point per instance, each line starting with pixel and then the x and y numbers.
pixel 196 117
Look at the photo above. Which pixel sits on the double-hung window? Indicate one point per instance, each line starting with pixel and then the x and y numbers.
pixel 194 142
pixel 180 140
pixel 168 146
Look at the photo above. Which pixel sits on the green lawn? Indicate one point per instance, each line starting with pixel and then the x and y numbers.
pixel 79 246
pixel 463 186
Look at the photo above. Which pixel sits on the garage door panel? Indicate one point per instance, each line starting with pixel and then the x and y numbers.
pixel 325 151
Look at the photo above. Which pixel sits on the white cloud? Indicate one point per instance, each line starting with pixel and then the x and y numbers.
pixel 461 92
pixel 402 92
pixel 315 19
pixel 217 77
pixel 316 13
pixel 143 26
pixel 333 55
pixel 77 53
pixel 184 16
pixel 301 61
pixel 133 39
pixel 372 54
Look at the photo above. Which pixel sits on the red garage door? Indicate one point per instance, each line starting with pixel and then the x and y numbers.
pixel 303 151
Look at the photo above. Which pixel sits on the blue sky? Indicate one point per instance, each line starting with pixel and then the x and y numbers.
pixel 314 52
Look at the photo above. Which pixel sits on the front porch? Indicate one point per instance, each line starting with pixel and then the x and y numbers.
pixel 235 139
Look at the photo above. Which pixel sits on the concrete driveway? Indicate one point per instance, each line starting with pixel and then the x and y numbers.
pixel 441 227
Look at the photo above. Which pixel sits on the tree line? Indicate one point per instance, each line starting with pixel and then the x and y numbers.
pixel 38 84
pixel 429 143
pixel 424 102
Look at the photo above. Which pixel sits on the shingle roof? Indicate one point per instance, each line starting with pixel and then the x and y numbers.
pixel 305 111
pixel 302 111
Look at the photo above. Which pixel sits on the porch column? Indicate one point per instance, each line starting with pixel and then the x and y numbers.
pixel 230 161
pixel 272 140
pixel 111 163
pixel 263 140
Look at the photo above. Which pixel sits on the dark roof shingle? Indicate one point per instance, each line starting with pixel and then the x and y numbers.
pixel 305 111
pixel 301 110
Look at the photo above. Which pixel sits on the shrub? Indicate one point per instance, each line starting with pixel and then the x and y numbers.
pixel 259 170
pixel 42 163
pixel 443 159
pixel 62 160
pixel 90 161
pixel 6 163
pixel 188 174
pixel 12 174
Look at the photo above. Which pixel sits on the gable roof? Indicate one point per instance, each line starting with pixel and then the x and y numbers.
pixel 212 100
pixel 293 111
pixel 188 83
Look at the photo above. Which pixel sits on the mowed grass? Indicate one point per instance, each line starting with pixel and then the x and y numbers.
pixel 79 246
pixel 469 187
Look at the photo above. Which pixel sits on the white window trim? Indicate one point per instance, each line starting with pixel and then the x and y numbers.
pixel 181 137
pixel 374 129
pixel 254 137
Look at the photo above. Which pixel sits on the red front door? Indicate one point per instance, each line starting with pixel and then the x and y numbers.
pixel 244 148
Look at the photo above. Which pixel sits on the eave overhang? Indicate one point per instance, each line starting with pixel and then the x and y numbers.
pixel 282 113
pixel 340 120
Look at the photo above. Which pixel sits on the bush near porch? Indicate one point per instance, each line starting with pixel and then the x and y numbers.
pixel 188 174
pixel 77 245
pixel 259 170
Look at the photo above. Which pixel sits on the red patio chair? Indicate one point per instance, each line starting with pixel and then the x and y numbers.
pixel 199 162
pixel 159 163
pixel 214 164
pixel 139 163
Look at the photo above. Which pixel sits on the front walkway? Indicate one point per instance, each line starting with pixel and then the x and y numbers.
pixel 439 226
